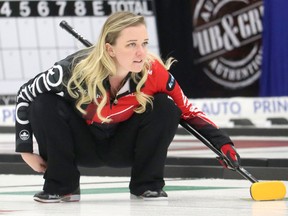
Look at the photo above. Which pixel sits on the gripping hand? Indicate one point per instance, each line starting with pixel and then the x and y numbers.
pixel 230 152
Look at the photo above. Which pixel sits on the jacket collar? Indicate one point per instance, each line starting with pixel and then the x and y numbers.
pixel 132 84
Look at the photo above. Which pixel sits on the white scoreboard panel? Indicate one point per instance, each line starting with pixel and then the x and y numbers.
pixel 31 39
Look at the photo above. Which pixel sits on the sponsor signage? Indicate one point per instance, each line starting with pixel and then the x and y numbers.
pixel 220 110
pixel 257 110
pixel 227 40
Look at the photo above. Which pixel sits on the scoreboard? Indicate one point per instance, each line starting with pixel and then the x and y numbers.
pixel 73 8
pixel 31 39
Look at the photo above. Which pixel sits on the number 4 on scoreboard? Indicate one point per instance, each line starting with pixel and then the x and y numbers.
pixel 5 9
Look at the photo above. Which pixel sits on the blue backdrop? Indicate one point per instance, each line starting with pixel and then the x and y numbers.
pixel 274 78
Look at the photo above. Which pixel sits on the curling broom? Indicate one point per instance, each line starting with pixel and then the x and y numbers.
pixel 260 191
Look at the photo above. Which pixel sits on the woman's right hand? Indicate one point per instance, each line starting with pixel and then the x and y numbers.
pixel 35 161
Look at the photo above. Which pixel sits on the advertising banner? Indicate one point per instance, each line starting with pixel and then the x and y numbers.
pixel 227 47
pixel 221 110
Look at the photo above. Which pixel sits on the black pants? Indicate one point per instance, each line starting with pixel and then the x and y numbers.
pixel 65 141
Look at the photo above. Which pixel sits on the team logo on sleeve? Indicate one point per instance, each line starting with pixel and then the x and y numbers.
pixel 24 135
pixel 171 83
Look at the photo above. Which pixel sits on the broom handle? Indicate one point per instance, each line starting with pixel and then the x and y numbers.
pixel 183 123
pixel 73 32
pixel 239 169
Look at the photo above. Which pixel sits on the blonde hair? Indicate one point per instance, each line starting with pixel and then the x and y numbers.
pixel 88 74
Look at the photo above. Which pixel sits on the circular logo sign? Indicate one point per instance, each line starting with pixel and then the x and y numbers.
pixel 24 135
pixel 227 40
